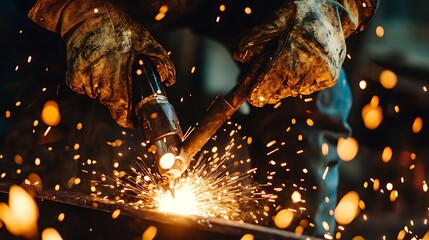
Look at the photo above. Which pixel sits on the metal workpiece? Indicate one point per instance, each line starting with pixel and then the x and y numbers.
pixel 94 218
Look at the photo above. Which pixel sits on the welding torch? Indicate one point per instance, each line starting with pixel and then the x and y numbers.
pixel 160 126
pixel 158 121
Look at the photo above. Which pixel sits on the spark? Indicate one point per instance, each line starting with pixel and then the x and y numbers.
pixel 325 173
pixel 116 213
pixel 47 131
pixel 248 10
pixel 222 8
pixel 362 84
pixel 51 234
pixel 273 151
pixel 61 217
pixel 206 189
pixel 379 31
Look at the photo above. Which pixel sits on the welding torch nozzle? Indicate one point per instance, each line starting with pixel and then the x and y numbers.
pixel 158 120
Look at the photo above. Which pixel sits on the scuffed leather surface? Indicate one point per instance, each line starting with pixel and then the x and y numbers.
pixel 304 37
pixel 307 43
pixel 102 42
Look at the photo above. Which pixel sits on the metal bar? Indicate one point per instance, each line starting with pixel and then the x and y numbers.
pixel 211 228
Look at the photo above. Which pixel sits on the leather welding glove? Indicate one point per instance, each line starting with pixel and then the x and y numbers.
pixel 305 44
pixel 102 43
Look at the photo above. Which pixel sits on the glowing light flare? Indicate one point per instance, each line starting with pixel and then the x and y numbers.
pixel 362 84
pixel 167 160
pixel 20 217
pixel 417 125
pixel 247 236
pixel 296 197
pixel 425 186
pixel 388 79
pixel 149 233
pixel 283 218
pixel 347 208
pixel 247 10
pixel 325 226
pixel 271 143
pixel 396 109
pixel 325 149
pixel 18 159
pixel 362 205
pixel 372 115
pixel 184 202
pixel 51 234
pixel 299 230
pixel 401 235
pixel 116 213
pixel 386 156
pixel 379 31
pixel 50 113
pixel 310 122
pixel 162 11
pixel 61 217
pixel 389 186
pixel 393 195
pixel 376 185
pixel 347 148
pixel 222 8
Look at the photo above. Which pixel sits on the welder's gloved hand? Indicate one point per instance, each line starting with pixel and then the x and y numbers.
pixel 102 42
pixel 305 44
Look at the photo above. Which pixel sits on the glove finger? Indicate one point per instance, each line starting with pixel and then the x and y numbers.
pixel 110 86
pixel 164 65
pixel 302 66
pixel 253 45
pixel 145 44
pixel 282 79
pixel 264 37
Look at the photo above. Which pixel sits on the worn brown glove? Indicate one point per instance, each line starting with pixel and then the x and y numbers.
pixel 305 42
pixel 102 43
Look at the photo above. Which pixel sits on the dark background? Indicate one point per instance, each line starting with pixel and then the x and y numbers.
pixel 404 49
